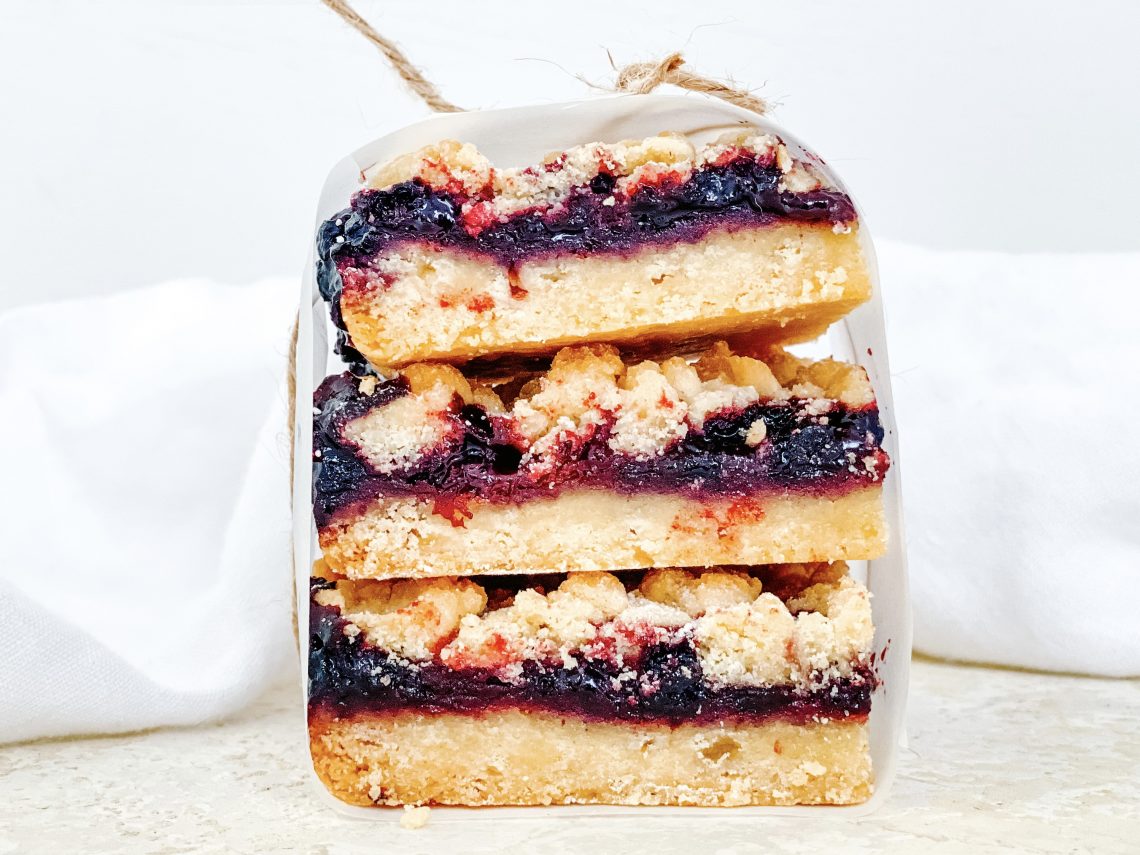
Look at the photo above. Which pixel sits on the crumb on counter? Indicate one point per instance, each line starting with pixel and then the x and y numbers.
pixel 415 817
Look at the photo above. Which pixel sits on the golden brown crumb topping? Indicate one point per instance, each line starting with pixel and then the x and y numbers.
pixel 461 169
pixel 648 405
pixel 743 634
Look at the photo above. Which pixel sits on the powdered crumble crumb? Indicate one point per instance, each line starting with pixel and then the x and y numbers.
pixel 757 433
pixel 415 816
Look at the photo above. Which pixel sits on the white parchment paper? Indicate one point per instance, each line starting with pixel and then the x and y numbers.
pixel 516 137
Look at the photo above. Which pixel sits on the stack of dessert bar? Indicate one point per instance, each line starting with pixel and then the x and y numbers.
pixel 583 520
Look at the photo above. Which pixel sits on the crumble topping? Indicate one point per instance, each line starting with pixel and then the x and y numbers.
pixel 748 643
pixel 697 593
pixel 394 436
pixel 757 433
pixel 646 407
pixel 743 634
pixel 407 617
pixel 447 165
pixel 833 624
pixel 823 378
pixel 493 195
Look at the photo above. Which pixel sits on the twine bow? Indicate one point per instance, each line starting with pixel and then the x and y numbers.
pixel 641 78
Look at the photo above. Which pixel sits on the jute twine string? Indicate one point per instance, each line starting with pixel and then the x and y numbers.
pixel 411 75
pixel 638 78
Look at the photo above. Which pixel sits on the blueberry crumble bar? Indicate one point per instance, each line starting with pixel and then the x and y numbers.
pixel 444 257
pixel 727 686
pixel 583 522
pixel 597 464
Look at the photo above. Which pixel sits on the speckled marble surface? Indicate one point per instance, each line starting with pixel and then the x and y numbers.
pixel 998 761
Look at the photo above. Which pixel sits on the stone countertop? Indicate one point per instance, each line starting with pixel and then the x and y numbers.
pixel 998 761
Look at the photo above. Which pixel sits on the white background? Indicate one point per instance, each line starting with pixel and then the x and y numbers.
pixel 143 141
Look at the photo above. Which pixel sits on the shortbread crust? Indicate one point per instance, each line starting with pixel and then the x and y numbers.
pixel 602 530
pixel 509 757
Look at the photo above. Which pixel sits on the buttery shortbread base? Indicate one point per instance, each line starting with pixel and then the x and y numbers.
pixel 512 757
pixel 781 283
pixel 593 530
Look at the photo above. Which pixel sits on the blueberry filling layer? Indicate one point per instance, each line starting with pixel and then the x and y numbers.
pixel 741 193
pixel 805 451
pixel 349 677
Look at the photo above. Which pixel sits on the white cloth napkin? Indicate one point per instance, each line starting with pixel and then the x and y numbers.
pixel 1019 426
pixel 144 515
